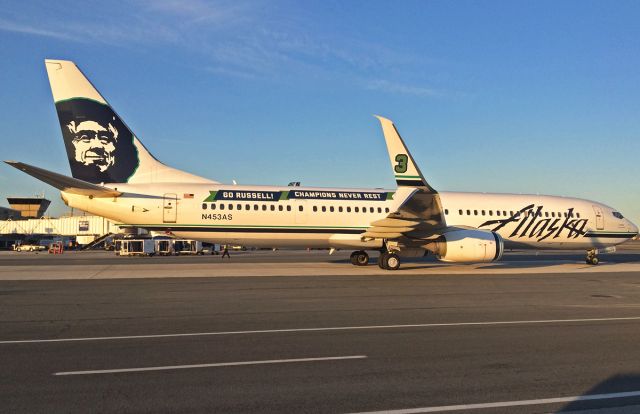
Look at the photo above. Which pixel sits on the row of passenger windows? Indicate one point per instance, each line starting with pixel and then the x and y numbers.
pixel 280 207
pixel 503 213
pixel 247 207
pixel 340 209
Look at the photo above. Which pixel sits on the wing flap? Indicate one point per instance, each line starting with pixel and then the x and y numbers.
pixel 64 183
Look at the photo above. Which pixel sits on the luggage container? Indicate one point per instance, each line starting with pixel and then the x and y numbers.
pixel 164 247
pixel 192 247
pixel 137 247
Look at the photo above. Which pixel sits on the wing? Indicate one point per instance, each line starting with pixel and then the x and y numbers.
pixel 418 214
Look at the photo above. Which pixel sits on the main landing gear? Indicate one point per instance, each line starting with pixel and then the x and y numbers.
pixel 359 258
pixel 592 257
pixel 389 260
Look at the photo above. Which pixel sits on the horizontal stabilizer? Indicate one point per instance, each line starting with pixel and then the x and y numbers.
pixel 64 183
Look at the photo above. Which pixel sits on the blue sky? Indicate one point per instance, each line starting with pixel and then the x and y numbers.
pixel 495 96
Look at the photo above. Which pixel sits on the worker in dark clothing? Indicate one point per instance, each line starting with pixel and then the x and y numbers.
pixel 225 252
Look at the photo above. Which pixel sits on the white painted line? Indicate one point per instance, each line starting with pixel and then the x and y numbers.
pixel 503 404
pixel 219 364
pixel 326 329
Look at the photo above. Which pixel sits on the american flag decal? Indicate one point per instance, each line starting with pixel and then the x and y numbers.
pixel 187 195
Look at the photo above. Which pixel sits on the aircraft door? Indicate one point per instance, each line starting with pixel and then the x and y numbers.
pixel 599 218
pixel 170 208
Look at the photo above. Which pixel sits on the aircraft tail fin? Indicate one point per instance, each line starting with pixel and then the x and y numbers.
pixel 100 146
pixel 405 169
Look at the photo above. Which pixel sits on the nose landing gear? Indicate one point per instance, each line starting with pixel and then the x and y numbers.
pixel 592 257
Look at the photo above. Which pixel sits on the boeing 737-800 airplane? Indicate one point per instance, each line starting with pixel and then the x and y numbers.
pixel 114 176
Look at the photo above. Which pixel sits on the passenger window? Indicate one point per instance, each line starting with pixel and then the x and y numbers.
pixel 348 209
pixel 475 212
pixel 315 208
pixel 511 213
pixel 300 208
pixel 386 210
pixel 324 209
pixel 340 209
pixel 460 212
pixel 497 212
pixel 204 206
pixel 230 206
pixel 288 208
pixel 213 206
pixel 578 215
pixel 247 207
pixel 379 209
pixel 273 208
pixel 239 207
pixel 504 213
pixel 331 209
pixel 356 209
pixel 255 206
pixel 446 211
pixel 371 210
pixel 221 206
pixel 483 212
pixel 264 207
pixel 468 212
pixel 280 208
pixel 491 212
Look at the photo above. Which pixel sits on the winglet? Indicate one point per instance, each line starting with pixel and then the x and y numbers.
pixel 405 169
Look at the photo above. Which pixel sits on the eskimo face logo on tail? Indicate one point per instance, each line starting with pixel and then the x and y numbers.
pixel 94 144
pixel 99 145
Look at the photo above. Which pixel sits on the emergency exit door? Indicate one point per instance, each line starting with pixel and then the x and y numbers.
pixel 599 218
pixel 170 208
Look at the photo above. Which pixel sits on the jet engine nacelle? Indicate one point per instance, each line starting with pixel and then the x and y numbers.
pixel 479 246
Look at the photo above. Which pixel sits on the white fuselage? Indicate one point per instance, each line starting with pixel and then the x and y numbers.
pixel 304 217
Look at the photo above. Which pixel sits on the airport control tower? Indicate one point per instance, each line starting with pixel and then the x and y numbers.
pixel 29 207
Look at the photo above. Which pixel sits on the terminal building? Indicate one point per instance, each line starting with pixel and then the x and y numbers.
pixel 25 221
pixel 82 230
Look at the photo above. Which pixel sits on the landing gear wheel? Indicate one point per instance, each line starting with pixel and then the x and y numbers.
pixel 362 258
pixel 592 258
pixel 382 260
pixel 353 258
pixel 390 261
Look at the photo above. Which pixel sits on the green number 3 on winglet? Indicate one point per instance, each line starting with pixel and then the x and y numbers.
pixel 401 166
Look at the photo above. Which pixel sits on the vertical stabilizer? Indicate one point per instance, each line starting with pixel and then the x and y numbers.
pixel 100 146
pixel 405 169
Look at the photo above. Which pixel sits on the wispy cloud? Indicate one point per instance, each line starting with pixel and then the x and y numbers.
pixel 249 40
pixel 8 26
pixel 392 87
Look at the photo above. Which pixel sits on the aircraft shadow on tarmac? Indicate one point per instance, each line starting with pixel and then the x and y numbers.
pixel 621 383
pixel 512 261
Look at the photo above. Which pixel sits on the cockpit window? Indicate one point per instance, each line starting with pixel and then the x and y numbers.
pixel 617 215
